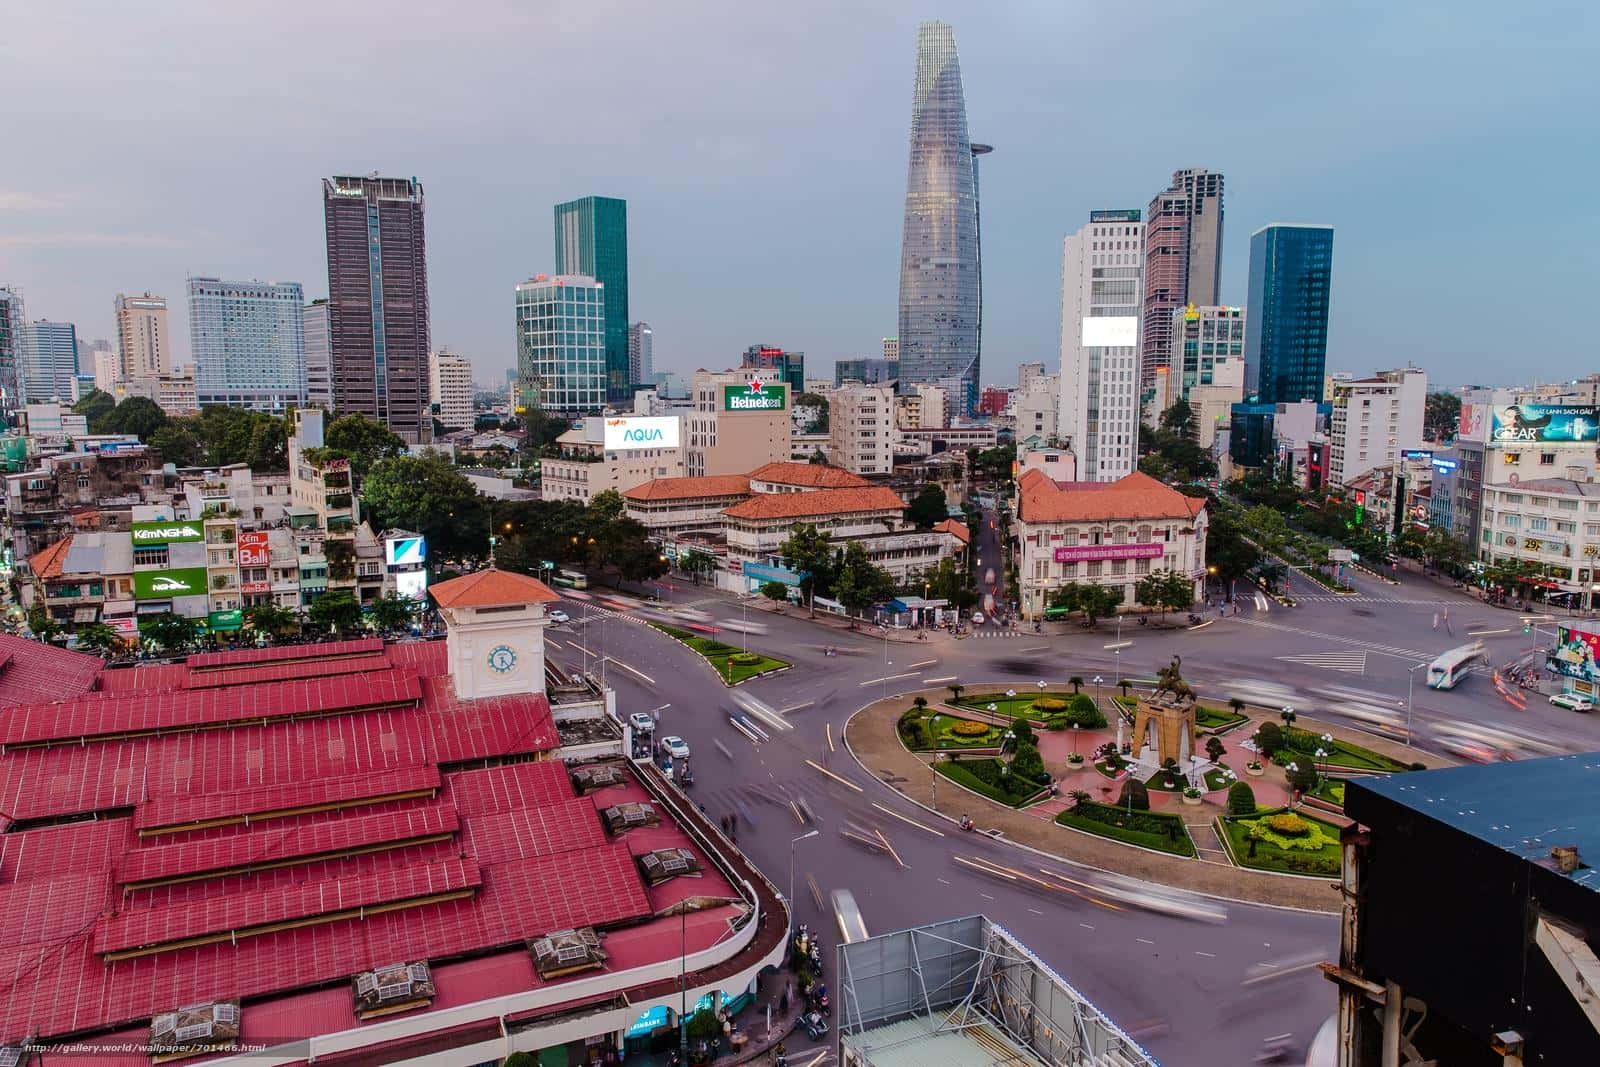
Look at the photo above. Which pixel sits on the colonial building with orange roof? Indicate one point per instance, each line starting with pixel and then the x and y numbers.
pixel 1104 533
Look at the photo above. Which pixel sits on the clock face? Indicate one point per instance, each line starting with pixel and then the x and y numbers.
pixel 502 658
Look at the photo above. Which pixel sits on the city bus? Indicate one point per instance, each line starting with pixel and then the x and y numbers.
pixel 1447 671
pixel 848 917
pixel 571 579
pixel 1057 614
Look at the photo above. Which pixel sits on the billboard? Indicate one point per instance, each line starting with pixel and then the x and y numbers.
pixel 1470 425
pixel 169 532
pixel 627 433
pixel 1544 424
pixel 413 584
pixel 1120 215
pixel 1119 331
pixel 404 551
pixel 253 551
pixel 166 584
pixel 1574 654
pixel 757 396
pixel 1094 552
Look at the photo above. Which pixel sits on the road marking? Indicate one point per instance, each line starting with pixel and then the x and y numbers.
pixel 842 781
pixel 1035 648
pixel 722 748
pixel 1202 626
pixel 946 881
pixel 553 641
pixel 940 681
pixel 1086 926
pixel 890 847
pixel 924 663
pixel 827 729
pixel 986 896
pixel 797 707
pixel 1207 955
pixel 1144 940
pixel 816 890
pixel 1119 644
pixel 887 678
pixel 1036 911
pixel 1348 660
pixel 749 736
pixel 818 1058
pixel 981 868
pixel 640 674
pixel 1485 633
pixel 905 819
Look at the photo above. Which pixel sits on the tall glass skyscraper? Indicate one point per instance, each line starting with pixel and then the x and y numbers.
pixel 1286 325
pixel 592 239
pixel 11 319
pixel 49 360
pixel 941 288
pixel 248 343
pixel 561 344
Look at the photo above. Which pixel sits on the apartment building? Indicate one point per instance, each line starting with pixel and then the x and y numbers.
pixel 741 420
pixel 1374 420
pixel 861 428
pixel 615 453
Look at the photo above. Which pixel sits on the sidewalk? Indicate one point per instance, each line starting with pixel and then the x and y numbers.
pixel 753 1023
pixel 871 738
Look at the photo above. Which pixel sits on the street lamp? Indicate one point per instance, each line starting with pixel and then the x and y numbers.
pixel 793 842
pixel 1074 739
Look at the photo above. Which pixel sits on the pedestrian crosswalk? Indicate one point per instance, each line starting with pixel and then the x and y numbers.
pixel 1349 660
pixel 996 633
pixel 1362 598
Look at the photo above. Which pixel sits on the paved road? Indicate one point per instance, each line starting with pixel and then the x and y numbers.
pixel 1142 968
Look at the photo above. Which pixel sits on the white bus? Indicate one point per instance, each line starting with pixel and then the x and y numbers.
pixel 571 579
pixel 1447 671
pixel 848 917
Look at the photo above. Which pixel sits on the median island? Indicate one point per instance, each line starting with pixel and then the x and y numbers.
pixel 732 664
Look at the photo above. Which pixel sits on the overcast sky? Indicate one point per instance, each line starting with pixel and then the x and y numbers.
pixel 761 149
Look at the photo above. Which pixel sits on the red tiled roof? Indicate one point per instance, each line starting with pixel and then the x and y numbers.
pixel 47 562
pixel 491 588
pixel 1135 496
pixel 817 503
pixel 955 529
pixel 32 671
pixel 810 475
pixel 690 488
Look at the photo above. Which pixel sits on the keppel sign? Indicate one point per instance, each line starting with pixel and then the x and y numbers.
pixel 166 533
pixel 1097 552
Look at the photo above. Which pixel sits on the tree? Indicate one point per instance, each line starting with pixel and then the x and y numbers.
pixel 1150 591
pixel 819 458
pixel 169 632
pixel 1269 738
pixel 818 403
pixel 392 611
pixel 1134 796
pixel 1215 749
pixel 776 592
pixel 1241 799
pixel 362 441
pixel 336 609
pixel 1081 711
pixel 694 563
pixel 95 406
pixel 428 494
pixel 1175 592
pixel 177 444
pixel 1026 763
pixel 98 638
pixel 955 690
pixel 1236 704
pixel 1076 681
pixel 1079 797
pixel 1226 547
pixel 859 583
pixel 1302 774
pixel 946 581
pixel 928 508
pixel 272 620
pixel 809 554
pixel 1022 730
pixel 1178 417
pixel 1441 415
pixel 42 624
pixel 137 415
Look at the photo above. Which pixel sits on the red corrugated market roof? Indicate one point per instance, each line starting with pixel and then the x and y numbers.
pixel 810 475
pixel 345 790
pixel 277 653
pixel 48 561
pixel 33 671
pixel 711 485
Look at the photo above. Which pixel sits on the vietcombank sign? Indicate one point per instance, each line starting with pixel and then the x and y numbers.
pixel 164 585
pixel 771 396
pixel 166 533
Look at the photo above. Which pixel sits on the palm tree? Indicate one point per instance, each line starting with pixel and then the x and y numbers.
pixel 97 637
pixel 1124 683
pixel 1237 705
pixel 1078 797
pixel 920 703
pixel 955 691
pixel 1076 682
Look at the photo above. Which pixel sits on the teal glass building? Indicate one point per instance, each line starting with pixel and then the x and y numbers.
pixel 561 353
pixel 1286 321
pixel 592 240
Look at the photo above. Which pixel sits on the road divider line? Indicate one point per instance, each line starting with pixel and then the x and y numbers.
pixel 823 770
pixel 722 748
pixel 940 681
pixel 737 725
pixel 553 641
pixel 797 707
pixel 907 820
pixel 816 890
pixel 1144 941
pixel 890 847
pixel 984 869
pixel 1203 625
pixel 636 673
pixel 1035 648
pixel 924 663
pixel 827 729
pixel 1207 955
pixel 887 678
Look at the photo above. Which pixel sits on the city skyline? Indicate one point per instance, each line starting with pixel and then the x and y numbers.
pixel 709 160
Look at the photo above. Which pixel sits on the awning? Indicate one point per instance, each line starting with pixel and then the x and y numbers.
pixel 84 614
pixel 114 608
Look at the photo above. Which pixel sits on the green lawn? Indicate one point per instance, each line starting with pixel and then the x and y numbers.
pixel 1325 860
pixel 721 656
pixel 1330 789
pixel 1011 707
pixel 1164 833
pixel 1217 719
pixel 1215 779
pixel 939 724
pixel 1341 753
pixel 982 776
pixel 1158 780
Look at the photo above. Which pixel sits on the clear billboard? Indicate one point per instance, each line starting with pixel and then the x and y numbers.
pixel 168 532
pixel 413 584
pixel 623 434
pixel 253 551
pixel 1574 654
pixel 757 396
pixel 1544 424
pixel 1111 331
pixel 169 583
pixel 403 551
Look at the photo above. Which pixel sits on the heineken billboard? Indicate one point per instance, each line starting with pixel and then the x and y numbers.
pixel 166 584
pixel 771 396
pixel 169 532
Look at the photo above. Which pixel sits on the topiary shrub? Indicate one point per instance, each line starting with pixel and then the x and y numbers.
pixel 1269 738
pixel 1027 763
pixel 1302 776
pixel 1023 730
pixel 1134 795
pixel 1288 824
pixel 1081 710
pixel 969 728
pixel 1241 799
pixel 913 730
pixel 744 659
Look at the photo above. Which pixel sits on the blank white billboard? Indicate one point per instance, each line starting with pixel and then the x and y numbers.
pixel 641 432
pixel 1119 332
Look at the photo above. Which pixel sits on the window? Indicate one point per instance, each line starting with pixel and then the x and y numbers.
pixel 1547 459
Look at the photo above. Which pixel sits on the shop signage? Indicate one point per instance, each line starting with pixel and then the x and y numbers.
pixel 1574 654
pixel 253 551
pixel 771 396
pixel 1544 424
pixel 170 532
pixel 166 584
pixel 1095 552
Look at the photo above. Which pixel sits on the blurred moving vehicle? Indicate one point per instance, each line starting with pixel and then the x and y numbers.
pixel 1572 702
pixel 558 616
pixel 745 627
pixel 848 917
pixel 642 722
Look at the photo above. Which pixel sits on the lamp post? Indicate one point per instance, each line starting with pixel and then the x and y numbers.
pixel 793 842
pixel 933 767
pixel 1074 739
pixel 1411 682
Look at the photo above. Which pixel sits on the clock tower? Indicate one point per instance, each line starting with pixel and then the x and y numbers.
pixel 496 622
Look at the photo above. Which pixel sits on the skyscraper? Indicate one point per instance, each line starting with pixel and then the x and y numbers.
pixel 1100 296
pixel 561 344
pixel 49 361
pixel 592 240
pixel 641 354
pixel 319 379
pixel 788 366
pixel 1182 258
pixel 1286 326
pixel 378 337
pixel 941 297
pixel 248 343
pixel 11 319
pixel 451 386
pixel 142 342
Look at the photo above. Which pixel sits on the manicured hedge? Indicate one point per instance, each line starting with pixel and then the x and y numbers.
pixel 1164 833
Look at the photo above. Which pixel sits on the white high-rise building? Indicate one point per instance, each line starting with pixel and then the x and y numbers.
pixel 1374 420
pixel 319 358
pixel 450 388
pixel 1102 275
pixel 248 343
pixel 49 361
pixel 861 427
pixel 641 355
pixel 142 340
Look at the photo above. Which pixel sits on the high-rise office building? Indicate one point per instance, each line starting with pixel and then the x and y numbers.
pixel 592 240
pixel 1182 258
pixel 1286 331
pixel 143 344
pixel 641 355
pixel 247 340
pixel 319 359
pixel 561 344
pixel 100 359
pixel 941 297
pixel 450 379
pixel 12 316
pixel 1101 278
pixel 891 349
pixel 868 370
pixel 1202 337
pixel 378 336
pixel 49 361
pixel 790 366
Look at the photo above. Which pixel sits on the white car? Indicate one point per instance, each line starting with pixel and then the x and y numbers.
pixel 560 616
pixel 1572 702
pixel 641 722
pixel 675 746
pixel 977 618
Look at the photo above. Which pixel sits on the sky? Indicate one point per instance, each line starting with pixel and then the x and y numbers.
pixel 762 152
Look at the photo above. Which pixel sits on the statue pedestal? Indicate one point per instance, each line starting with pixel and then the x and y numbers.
pixel 1162 730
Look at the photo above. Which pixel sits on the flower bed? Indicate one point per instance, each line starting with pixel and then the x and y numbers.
pixel 731 663
pixel 1302 745
pixel 1284 842
pixel 1149 829
pixel 983 776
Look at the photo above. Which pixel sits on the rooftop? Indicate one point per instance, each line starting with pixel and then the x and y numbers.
pixel 690 488
pixel 47 562
pixel 491 588
pixel 1554 486
pixel 810 475
pixel 1524 808
pixel 1135 496
pixel 817 503
pixel 955 529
